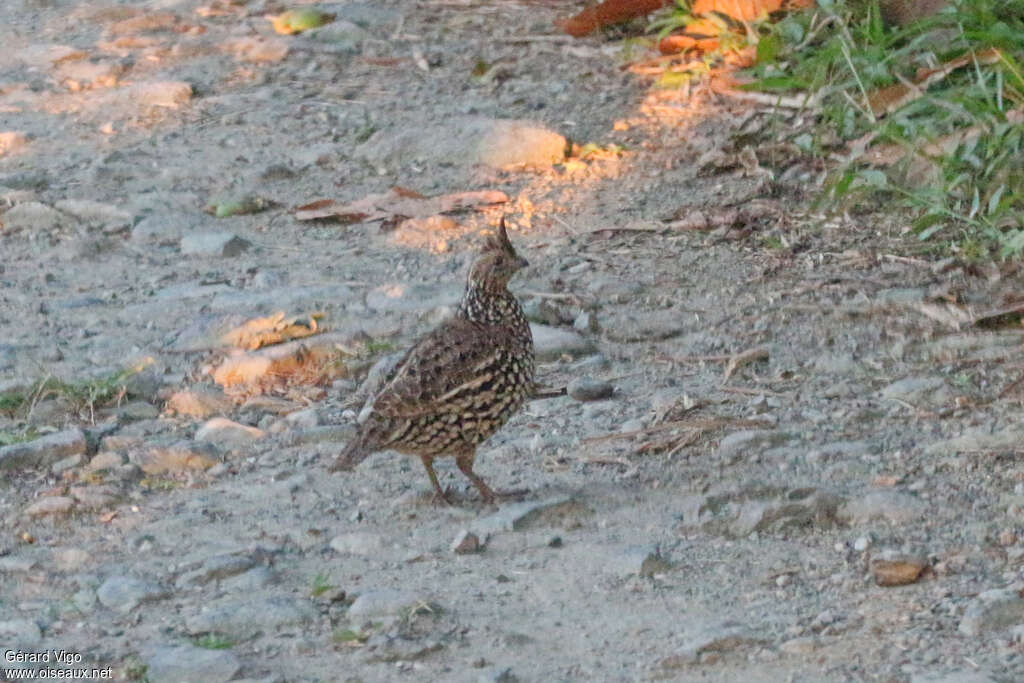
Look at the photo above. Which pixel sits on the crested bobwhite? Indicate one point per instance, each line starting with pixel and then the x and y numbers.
pixel 461 382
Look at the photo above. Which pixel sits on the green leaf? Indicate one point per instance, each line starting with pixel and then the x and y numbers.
pixel 993 201
pixel 768 49
pixel 927 225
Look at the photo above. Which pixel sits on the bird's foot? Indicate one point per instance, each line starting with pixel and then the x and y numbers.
pixel 443 497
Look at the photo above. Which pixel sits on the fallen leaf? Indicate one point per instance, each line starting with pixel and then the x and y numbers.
pixel 889 99
pixel 273 329
pixel 313 362
pixel 607 13
pixel 239 207
pixel 398 202
pixel 742 10
pixel 299 20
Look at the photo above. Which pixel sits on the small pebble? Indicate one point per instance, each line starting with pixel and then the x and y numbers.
pixel 589 389
pixel 466 543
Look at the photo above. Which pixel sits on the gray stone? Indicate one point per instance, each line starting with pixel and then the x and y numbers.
pixel 70 559
pixel 84 600
pixel 95 497
pixel 106 460
pixel 254 579
pixel 363 543
pixel 384 602
pixel 176 457
pixel 98 214
pixel 1008 438
pixel 503 143
pixel 993 610
pixel 14 564
pixel 551 343
pixel 799 646
pixel 199 402
pixel 589 389
pixel 50 505
pixel 245 617
pixel 225 244
pixel 125 593
pixel 190 664
pixel 228 434
pixel 163 226
pixel 169 94
pixel 33 217
pixel 70 462
pixel 44 451
pixel 386 648
pixel 519 516
pixel 135 410
pixel 889 506
pixel 915 390
pixel 303 419
pixel 20 632
pixel 794 508
pixel 215 568
pixel 585 322
pixel 738 444
pixel 323 434
pixel 498 143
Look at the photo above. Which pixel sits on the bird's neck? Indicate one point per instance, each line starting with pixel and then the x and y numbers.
pixel 493 305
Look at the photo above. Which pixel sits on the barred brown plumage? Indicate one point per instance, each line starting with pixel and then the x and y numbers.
pixel 461 382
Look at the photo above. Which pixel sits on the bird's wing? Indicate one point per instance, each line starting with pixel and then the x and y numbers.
pixel 457 362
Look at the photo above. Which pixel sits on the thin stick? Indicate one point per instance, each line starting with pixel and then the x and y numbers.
pixel 743 358
pixel 544 392
pixel 749 392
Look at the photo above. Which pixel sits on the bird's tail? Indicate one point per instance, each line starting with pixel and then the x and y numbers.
pixel 355 452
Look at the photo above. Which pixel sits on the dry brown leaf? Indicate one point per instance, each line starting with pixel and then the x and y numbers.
pixel 398 202
pixel 606 13
pixel 891 98
pixel 313 362
pixel 273 329
pixel 743 10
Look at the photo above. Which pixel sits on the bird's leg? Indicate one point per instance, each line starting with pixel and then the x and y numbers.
pixel 439 493
pixel 465 463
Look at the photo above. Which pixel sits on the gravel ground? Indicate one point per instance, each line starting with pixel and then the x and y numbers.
pixel 788 453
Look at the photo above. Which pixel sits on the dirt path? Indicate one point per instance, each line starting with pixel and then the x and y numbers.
pixel 724 516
